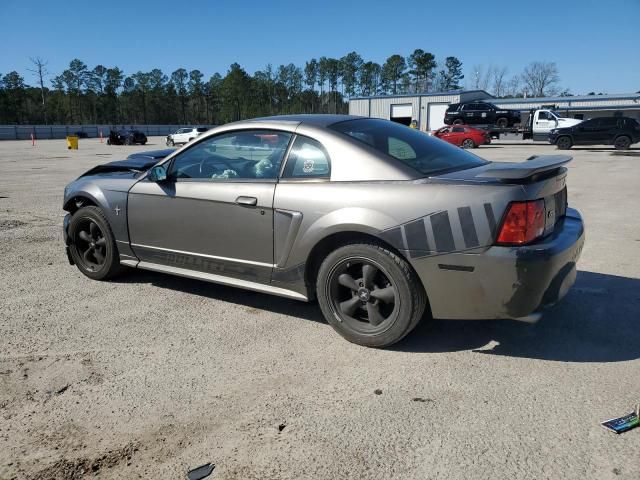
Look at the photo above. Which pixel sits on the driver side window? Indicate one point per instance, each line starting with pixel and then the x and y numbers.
pixel 240 155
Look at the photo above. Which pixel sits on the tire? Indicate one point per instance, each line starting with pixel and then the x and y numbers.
pixel 143 143
pixel 170 142
pixel 622 142
pixel 93 246
pixel 458 121
pixel 108 141
pixel 128 141
pixel 502 122
pixel 190 139
pixel 362 281
pixel 564 143
pixel 468 143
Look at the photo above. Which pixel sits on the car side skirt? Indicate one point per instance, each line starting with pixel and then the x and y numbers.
pixel 211 277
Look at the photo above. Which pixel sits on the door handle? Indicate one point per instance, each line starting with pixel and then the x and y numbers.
pixel 247 201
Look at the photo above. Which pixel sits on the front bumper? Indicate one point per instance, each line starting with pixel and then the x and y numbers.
pixel 65 235
pixel 505 282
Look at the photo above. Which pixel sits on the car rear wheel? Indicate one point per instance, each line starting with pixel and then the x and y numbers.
pixel 108 141
pixel 369 295
pixel 458 121
pixel 564 143
pixel 622 143
pixel 128 141
pixel 502 122
pixel 93 247
pixel 170 142
pixel 468 143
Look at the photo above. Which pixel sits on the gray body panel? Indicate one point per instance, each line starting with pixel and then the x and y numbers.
pixel 444 226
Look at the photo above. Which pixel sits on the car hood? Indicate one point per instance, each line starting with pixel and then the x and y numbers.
pixel 131 166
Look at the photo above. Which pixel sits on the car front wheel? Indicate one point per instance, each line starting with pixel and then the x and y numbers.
pixel 170 142
pixel 468 143
pixel 502 123
pixel 369 295
pixel 93 247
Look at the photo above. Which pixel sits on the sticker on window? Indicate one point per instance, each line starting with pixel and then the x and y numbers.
pixel 307 166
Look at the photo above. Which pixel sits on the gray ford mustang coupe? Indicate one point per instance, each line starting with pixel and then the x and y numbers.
pixel 379 222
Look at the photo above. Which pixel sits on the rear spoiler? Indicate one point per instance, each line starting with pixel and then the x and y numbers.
pixel 519 171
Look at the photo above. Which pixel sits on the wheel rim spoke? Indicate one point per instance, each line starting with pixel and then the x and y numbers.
pixel 373 312
pixel 349 307
pixel 86 255
pixel 84 236
pixel 99 256
pixel 347 280
pixel 387 294
pixel 94 229
pixel 368 273
pixel 101 242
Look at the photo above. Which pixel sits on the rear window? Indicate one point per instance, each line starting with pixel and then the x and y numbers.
pixel 418 150
pixel 453 107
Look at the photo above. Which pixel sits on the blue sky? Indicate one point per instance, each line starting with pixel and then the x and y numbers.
pixel 595 44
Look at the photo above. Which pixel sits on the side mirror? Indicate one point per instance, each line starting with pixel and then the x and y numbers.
pixel 158 174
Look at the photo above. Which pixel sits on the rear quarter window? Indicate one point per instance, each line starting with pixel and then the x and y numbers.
pixel 425 154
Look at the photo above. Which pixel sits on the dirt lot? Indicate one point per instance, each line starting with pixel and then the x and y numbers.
pixel 152 375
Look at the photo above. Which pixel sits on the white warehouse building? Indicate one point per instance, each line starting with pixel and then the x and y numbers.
pixel 428 109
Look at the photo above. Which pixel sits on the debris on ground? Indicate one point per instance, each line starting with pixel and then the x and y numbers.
pixel 203 471
pixel 624 423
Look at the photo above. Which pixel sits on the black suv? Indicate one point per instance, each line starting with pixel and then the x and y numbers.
pixel 126 137
pixel 476 113
pixel 620 132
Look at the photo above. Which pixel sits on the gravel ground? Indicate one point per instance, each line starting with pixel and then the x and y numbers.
pixel 151 375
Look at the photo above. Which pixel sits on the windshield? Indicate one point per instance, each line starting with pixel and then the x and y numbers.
pixel 426 154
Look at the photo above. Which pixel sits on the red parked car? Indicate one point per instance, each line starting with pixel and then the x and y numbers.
pixel 463 136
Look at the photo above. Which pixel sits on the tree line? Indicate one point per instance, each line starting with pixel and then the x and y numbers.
pixel 106 95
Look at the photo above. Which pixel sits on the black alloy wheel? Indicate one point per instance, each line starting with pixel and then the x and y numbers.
pixel 91 245
pixel 502 123
pixel 369 294
pixel 362 295
pixel 458 121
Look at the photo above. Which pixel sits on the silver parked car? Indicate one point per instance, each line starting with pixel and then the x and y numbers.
pixel 379 222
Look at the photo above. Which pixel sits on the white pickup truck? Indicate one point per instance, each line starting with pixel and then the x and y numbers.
pixel 542 121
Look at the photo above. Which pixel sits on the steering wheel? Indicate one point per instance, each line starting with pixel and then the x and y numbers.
pixel 207 170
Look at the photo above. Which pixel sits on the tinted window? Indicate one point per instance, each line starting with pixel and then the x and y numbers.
pixel 608 122
pixel 307 159
pixel 543 116
pixel 246 154
pixel 425 154
pixel 483 106
pixel 201 129
pixel 458 129
pixel 470 106
pixel 453 107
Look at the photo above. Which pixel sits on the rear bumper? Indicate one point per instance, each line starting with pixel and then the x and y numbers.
pixel 505 282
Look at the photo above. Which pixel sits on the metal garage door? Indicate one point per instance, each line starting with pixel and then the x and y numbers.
pixel 400 111
pixel 436 115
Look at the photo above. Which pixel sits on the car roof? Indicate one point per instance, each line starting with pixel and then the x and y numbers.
pixel 316 120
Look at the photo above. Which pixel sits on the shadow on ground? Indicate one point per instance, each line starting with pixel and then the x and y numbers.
pixel 598 321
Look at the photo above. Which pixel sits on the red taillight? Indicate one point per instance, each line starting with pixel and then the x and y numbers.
pixel 523 223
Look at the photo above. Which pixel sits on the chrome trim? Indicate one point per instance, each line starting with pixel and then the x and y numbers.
pixel 213 257
pixel 233 282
